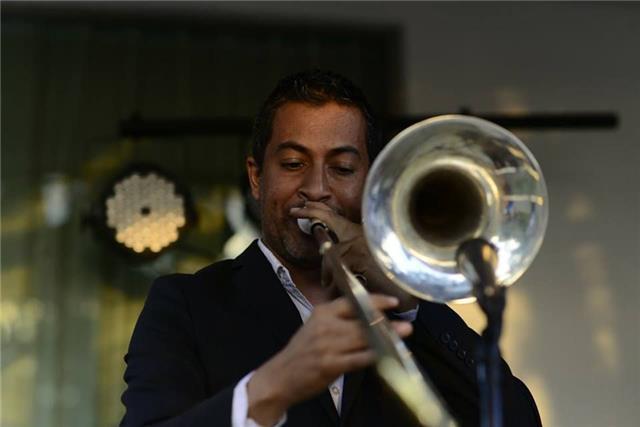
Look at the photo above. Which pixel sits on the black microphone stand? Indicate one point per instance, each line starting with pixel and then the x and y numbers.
pixel 477 260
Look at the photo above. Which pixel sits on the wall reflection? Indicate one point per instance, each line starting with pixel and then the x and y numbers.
pixel 598 303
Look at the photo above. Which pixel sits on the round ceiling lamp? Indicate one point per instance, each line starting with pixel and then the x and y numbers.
pixel 145 211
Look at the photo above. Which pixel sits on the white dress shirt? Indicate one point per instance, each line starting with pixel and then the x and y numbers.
pixel 240 405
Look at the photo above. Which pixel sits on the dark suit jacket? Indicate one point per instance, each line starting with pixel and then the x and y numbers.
pixel 198 335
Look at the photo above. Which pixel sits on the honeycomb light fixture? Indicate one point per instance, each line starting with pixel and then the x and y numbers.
pixel 146 211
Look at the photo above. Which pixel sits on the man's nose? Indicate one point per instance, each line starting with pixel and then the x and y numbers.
pixel 314 186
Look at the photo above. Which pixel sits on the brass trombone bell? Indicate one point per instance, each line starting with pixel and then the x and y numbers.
pixel 444 181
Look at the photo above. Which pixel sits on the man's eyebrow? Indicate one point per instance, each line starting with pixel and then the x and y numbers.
pixel 344 149
pixel 292 145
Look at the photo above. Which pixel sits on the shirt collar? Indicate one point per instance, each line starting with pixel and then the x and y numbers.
pixel 285 279
pixel 280 270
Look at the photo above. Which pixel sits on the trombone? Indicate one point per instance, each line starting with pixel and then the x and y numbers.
pixel 454 209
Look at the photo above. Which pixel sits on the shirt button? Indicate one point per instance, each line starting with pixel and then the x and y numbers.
pixel 335 390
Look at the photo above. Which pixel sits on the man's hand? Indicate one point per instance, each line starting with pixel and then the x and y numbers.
pixel 354 253
pixel 329 344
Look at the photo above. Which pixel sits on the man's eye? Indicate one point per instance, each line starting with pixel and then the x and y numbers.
pixel 292 165
pixel 343 170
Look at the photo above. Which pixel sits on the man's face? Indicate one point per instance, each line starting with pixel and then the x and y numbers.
pixel 315 153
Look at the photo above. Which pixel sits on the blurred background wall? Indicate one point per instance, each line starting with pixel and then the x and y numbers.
pixel 72 73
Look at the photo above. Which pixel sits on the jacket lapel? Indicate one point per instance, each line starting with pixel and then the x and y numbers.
pixel 352 387
pixel 268 302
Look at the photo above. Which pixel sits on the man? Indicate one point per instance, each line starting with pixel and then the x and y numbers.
pixel 265 339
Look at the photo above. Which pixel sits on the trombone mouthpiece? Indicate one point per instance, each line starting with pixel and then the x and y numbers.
pixel 305 225
pixel 318 229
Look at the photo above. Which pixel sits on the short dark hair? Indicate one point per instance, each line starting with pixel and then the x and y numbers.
pixel 315 87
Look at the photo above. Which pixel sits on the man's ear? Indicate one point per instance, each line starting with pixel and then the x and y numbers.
pixel 253 172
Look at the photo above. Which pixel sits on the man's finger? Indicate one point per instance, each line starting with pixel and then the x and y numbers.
pixel 343 307
pixel 356 360
pixel 350 336
pixel 383 302
pixel 402 328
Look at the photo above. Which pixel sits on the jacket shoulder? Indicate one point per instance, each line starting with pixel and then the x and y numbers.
pixel 215 269
pixel 214 278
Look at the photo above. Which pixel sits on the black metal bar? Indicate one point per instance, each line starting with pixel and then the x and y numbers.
pixel 174 127
pixel 168 128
